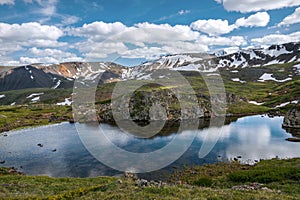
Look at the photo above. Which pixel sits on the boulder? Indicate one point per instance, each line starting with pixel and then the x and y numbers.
pixel 292 118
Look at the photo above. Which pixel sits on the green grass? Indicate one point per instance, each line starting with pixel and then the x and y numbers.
pixel 276 174
pixel 200 182
pixel 50 96
pixel 13 117
pixel 271 92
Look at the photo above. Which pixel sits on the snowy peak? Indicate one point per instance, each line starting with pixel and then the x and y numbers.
pixel 63 75
pixel 275 54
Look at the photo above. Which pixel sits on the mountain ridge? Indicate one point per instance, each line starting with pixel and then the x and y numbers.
pixel 112 72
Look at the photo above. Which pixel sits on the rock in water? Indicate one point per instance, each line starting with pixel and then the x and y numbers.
pixel 292 118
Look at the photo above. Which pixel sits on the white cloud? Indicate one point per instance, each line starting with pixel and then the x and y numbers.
pixel 168 48
pixel 212 26
pixel 98 30
pixel 15 37
pixel 100 40
pixel 48 56
pixel 48 59
pixel 291 19
pixel 48 7
pixel 162 33
pixel 222 41
pixel 183 12
pixel 56 53
pixel 147 40
pixel 277 39
pixel 68 20
pixel 98 50
pixel 7 2
pixel 257 5
pixel 29 31
pixel 164 37
pixel 259 19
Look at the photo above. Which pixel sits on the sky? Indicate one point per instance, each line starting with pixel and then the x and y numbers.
pixel 132 31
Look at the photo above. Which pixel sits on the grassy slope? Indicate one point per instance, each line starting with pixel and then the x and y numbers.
pixel 12 117
pixel 271 92
pixel 204 182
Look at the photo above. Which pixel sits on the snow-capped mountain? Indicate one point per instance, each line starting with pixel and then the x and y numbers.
pixel 275 54
pixel 63 75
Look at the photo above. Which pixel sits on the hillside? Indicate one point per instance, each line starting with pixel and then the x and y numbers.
pixel 256 80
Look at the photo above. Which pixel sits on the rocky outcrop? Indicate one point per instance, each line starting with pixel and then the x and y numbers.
pixel 292 118
pixel 151 105
pixel 163 104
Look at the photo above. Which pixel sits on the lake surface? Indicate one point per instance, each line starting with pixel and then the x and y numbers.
pixel 63 154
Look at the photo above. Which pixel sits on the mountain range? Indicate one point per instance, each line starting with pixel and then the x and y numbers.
pixel 278 64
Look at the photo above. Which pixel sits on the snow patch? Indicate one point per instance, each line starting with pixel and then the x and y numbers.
pixel 298 68
pixel 253 55
pixel 256 103
pixel 57 84
pixel 293 59
pixel 12 104
pixel 67 102
pixel 180 59
pixel 268 77
pixel 2 96
pixel 35 99
pixel 237 62
pixel 287 103
pixel 213 74
pixel 34 94
pixel 275 52
pixel 190 67
pixel 238 80
pixel 273 62
pixel 145 77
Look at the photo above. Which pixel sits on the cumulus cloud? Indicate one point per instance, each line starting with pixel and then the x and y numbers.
pixel 98 31
pixel 162 33
pixel 7 2
pixel 173 48
pixel 18 37
pixel 291 19
pixel 56 53
pixel 29 31
pixel 100 40
pixel 222 41
pixel 246 6
pixel 276 39
pixel 212 26
pixel 259 19
pixel 92 50
pixel 165 37
pixel 48 56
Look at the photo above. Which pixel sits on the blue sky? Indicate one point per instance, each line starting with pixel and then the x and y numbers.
pixel 130 31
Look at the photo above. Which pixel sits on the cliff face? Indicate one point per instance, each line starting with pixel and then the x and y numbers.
pixel 163 104
pixel 143 107
pixel 292 118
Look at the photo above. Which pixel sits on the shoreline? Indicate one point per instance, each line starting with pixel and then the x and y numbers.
pixel 221 180
pixel 71 121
